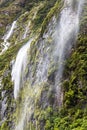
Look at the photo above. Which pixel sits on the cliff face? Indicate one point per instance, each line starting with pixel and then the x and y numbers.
pixel 43 85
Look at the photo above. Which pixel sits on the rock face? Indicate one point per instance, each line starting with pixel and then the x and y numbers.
pixel 43 71
pixel 3 1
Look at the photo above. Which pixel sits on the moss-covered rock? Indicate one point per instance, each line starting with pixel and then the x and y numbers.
pixel 44 114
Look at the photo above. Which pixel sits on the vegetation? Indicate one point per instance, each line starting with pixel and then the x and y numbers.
pixel 73 114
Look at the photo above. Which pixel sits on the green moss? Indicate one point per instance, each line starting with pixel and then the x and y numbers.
pixel 73 115
pixel 4 126
pixel 43 12
pixel 7 57
pixel 55 10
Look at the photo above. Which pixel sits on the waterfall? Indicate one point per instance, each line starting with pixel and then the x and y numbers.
pixel 10 32
pixel 66 34
pixel 6 44
pixel 19 68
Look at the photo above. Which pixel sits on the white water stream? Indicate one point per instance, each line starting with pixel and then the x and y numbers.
pixel 66 35
pixel 19 68
pixel 10 32
pixel 6 44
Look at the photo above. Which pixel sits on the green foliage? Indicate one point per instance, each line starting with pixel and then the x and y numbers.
pixel 77 68
pixel 6 58
pixel 4 126
pixel 73 115
pixel 42 13
pixel 55 10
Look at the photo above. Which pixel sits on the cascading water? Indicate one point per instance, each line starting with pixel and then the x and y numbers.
pixel 64 36
pixel 19 68
pixel 66 33
pixel 10 32
pixel 6 44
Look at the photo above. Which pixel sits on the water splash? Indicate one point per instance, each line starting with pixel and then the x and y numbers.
pixel 19 68
pixel 65 36
pixel 27 109
pixel 6 44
